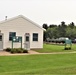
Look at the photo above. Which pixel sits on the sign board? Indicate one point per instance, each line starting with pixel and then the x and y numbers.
pixel 68 44
pixel 17 39
pixel 68 41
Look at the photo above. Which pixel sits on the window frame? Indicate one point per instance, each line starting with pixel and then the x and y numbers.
pixel 11 34
pixel 35 37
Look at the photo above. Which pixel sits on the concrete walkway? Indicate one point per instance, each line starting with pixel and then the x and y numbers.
pixel 4 53
pixel 33 52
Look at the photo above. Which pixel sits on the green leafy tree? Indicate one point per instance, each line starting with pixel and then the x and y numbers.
pixel 52 26
pixel 44 36
pixel 71 33
pixel 45 26
pixel 72 25
pixel 62 30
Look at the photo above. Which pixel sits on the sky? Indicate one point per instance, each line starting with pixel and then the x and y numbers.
pixel 40 11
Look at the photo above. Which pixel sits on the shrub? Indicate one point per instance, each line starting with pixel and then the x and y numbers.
pixel 68 48
pixel 25 51
pixel 8 49
pixel 14 50
pixel 19 50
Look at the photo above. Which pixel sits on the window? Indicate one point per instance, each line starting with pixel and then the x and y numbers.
pixel 0 37
pixel 35 36
pixel 11 34
pixel 27 38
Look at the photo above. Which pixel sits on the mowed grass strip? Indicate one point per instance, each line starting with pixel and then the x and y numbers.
pixel 38 64
pixel 47 48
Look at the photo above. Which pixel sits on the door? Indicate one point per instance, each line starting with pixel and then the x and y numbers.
pixel 27 41
pixel 1 42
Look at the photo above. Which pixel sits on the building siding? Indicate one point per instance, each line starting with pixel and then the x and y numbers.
pixel 21 26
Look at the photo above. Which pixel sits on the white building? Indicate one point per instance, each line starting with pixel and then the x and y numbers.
pixel 31 33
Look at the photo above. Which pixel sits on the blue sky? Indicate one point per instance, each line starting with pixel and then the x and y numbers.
pixel 40 11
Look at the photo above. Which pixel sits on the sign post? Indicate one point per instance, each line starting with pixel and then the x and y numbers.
pixel 68 44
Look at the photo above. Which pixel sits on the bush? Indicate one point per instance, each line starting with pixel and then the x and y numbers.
pixel 8 49
pixel 12 51
pixel 19 50
pixel 16 50
pixel 68 48
pixel 25 51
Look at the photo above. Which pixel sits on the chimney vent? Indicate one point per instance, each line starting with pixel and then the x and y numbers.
pixel 5 17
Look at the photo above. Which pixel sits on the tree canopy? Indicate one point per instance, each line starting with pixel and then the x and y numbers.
pixel 62 30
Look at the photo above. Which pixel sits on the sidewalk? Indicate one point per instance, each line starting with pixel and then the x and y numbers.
pixel 4 53
pixel 33 52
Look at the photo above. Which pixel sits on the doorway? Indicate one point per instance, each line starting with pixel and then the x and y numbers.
pixel 1 41
pixel 27 41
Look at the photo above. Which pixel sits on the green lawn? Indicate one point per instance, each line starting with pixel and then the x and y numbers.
pixel 47 48
pixel 48 64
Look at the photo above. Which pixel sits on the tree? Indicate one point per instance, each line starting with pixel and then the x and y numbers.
pixel 62 29
pixel 52 33
pixel 44 36
pixel 55 32
pixel 49 33
pixel 71 33
pixel 52 26
pixel 63 24
pixel 72 25
pixel 45 26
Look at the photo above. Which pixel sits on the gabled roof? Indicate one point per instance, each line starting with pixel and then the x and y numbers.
pixel 23 18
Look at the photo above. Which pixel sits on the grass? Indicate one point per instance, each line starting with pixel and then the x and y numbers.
pixel 47 48
pixel 57 64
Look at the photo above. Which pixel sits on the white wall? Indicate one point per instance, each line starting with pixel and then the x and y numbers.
pixel 21 26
